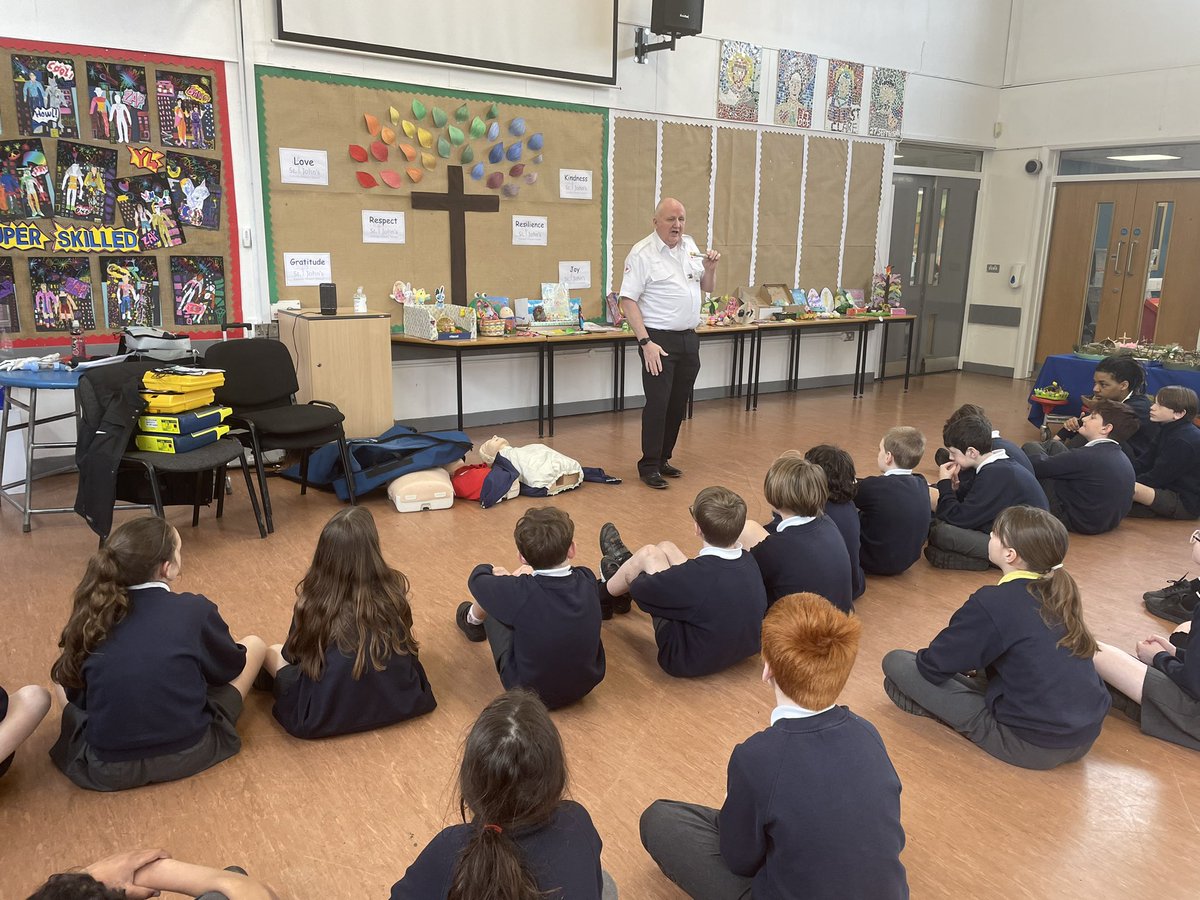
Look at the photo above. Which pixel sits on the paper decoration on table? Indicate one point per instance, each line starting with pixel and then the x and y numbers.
pixel 10 318
pixel 130 290
pixel 62 292
pixel 196 189
pixel 146 207
pixel 25 181
pixel 794 85
pixel 737 81
pixel 47 105
pixel 186 116
pixel 118 102
pixel 85 180
pixel 146 158
pixel 887 103
pixel 198 285
pixel 843 96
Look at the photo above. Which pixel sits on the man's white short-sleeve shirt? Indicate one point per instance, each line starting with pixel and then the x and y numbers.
pixel 665 282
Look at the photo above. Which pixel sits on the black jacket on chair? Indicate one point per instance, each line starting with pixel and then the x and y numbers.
pixel 109 406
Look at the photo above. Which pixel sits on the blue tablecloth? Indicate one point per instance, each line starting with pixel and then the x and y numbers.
pixel 1074 375
pixel 42 380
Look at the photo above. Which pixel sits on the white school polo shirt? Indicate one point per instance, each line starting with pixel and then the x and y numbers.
pixel 665 282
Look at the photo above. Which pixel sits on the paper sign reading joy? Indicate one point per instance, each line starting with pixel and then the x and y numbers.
pixel 575 273
pixel 303 166
pixel 306 269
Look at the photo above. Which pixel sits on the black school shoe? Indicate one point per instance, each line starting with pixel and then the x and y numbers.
pixel 904 702
pixel 669 470
pixel 474 633
pixel 946 559
pixel 655 480
pixel 621 604
pixel 1176 602
pixel 612 546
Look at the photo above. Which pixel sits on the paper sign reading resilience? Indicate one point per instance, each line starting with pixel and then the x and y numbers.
pixel 381 226
pixel 575 184
pixel 303 166
pixel 306 269
pixel 529 231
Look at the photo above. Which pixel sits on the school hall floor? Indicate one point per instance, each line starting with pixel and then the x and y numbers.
pixel 344 817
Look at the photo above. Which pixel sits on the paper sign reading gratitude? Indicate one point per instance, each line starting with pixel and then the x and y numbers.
pixel 303 166
pixel 529 231
pixel 575 184
pixel 306 269
pixel 381 226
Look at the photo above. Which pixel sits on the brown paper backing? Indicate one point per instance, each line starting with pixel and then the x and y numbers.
pixel 824 194
pixel 733 215
pixel 781 174
pixel 318 115
pixel 635 145
pixel 862 219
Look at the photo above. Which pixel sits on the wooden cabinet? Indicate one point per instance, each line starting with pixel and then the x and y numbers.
pixel 345 359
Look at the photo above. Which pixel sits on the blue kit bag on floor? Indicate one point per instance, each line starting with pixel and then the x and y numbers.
pixel 378 461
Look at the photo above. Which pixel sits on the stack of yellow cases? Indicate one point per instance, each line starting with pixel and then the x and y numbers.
pixel 180 411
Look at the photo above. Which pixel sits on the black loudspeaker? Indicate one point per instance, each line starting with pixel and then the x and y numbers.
pixel 677 17
pixel 328 299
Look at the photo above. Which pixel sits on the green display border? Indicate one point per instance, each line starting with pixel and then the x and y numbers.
pixel 261 72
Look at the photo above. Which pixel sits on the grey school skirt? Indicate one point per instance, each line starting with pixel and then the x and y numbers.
pixel 1169 712
pixel 78 761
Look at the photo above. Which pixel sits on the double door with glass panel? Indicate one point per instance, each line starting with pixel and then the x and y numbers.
pixel 1122 265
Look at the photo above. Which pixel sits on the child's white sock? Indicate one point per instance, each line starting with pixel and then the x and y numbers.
pixel 471 618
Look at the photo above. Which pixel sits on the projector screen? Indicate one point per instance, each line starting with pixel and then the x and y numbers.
pixel 572 39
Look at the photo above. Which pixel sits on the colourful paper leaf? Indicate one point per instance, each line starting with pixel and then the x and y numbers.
pixel 394 115
pixel 477 171
pixel 477 128
pixel 410 130
pixel 514 151
pixel 496 154
pixel 516 127
pixel 391 179
pixel 493 111
pixel 357 153
pixel 456 135
pixel 531 178
pixel 418 109
pixel 439 117
pixel 517 170
pixel 468 155
pixel 409 153
pixel 379 151
pixel 429 161
pixel 366 179
pixel 373 125
pixel 462 113
pixel 495 180
pixel 414 175
pixel 510 190
pixel 535 141
pixel 443 148
pixel 493 131
pixel 425 137
pixel 387 135
pixel 537 160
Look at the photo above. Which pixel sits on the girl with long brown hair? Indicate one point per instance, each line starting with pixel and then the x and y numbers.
pixel 350 659
pixel 153 680
pixel 1013 670
pixel 523 841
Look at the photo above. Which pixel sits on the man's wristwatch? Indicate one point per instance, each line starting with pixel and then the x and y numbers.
pixel 642 342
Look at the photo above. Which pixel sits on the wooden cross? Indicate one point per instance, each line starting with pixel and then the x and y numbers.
pixel 457 204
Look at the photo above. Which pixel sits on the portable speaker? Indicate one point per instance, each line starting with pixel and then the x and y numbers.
pixel 677 17
pixel 328 299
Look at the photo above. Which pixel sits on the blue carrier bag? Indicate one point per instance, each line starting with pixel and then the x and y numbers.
pixel 377 461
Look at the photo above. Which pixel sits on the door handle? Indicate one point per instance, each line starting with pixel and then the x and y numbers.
pixel 932 265
pixel 1129 259
pixel 918 279
pixel 1116 258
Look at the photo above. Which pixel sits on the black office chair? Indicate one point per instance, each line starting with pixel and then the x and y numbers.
pixel 260 385
pixel 108 408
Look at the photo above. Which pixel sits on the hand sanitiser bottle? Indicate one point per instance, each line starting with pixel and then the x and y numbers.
pixel 360 301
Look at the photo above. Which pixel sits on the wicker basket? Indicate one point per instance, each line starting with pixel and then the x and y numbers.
pixel 428 322
pixel 491 328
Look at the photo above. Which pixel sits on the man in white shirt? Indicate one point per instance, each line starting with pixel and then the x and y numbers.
pixel 665 274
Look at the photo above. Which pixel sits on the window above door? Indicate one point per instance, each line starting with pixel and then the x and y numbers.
pixel 1130 160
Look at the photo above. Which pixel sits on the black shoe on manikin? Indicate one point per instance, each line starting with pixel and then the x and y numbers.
pixel 611 544
pixel 475 633
pixel 619 604
pixel 669 470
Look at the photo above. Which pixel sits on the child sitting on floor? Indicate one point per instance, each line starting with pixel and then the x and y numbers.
pixel 154 682
pixel 707 611
pixel 1168 474
pixel 350 660
pixel 812 805
pixel 1159 688
pixel 1121 379
pixel 20 714
pixel 958 536
pixel 1013 671
pixel 1090 488
pixel 800 550
pixel 1014 451
pixel 542 621
pixel 838 467
pixel 893 507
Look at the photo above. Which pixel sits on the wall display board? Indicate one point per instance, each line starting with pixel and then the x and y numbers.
pixel 112 164
pixel 455 168
pixel 782 207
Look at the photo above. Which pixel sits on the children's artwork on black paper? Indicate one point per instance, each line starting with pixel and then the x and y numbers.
pixel 10 319
pixel 198 283
pixel 62 292
pixel 118 102
pixel 196 189
pixel 26 183
pixel 86 178
pixel 130 290
pixel 186 117
pixel 45 92
pixel 146 206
